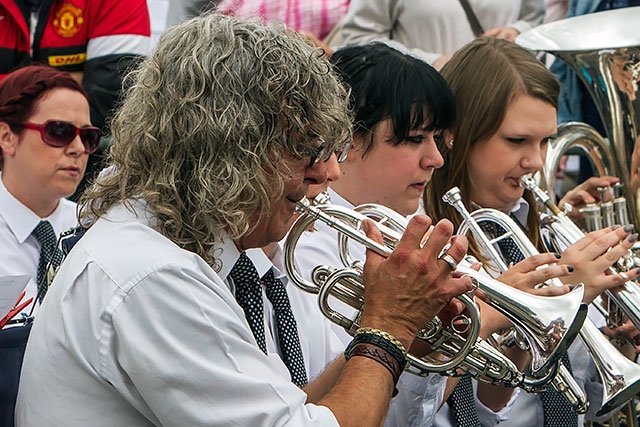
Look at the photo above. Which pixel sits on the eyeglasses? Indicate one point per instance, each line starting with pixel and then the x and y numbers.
pixel 320 153
pixel 58 133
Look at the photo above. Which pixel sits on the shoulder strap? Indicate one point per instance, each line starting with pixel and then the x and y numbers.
pixel 472 18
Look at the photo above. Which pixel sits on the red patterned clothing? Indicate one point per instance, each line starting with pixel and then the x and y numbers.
pixel 98 37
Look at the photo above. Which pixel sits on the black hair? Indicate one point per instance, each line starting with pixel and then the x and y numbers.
pixel 386 83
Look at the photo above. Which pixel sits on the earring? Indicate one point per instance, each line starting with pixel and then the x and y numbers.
pixel 450 144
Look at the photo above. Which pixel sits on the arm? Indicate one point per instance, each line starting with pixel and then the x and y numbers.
pixel 119 37
pixel 531 15
pixel 368 21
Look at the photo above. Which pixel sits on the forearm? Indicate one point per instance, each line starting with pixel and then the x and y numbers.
pixel 361 395
pixel 497 397
pixel 318 388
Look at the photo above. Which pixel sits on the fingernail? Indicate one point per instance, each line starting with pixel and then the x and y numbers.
pixel 615 227
pixel 628 228
pixel 571 287
pixel 633 237
pixel 558 256
pixel 570 268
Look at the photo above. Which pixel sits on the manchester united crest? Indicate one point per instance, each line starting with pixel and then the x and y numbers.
pixel 68 20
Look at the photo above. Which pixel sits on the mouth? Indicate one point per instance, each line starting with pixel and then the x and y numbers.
pixel 420 186
pixel 73 170
pixel 514 181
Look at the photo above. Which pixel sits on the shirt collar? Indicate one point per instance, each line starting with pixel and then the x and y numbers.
pixel 22 220
pixel 520 211
pixel 337 199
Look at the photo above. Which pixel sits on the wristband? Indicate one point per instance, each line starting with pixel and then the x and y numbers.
pixel 379 355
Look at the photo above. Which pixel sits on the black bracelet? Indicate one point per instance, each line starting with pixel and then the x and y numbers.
pixel 379 355
pixel 381 347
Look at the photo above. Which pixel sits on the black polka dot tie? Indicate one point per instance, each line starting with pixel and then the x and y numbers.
pixel 556 407
pixel 508 248
pixel 463 405
pixel 287 329
pixel 249 296
pixel 50 256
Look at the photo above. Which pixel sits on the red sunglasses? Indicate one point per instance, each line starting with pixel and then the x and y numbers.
pixel 57 133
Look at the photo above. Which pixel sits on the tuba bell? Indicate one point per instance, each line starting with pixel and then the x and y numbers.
pixel 603 49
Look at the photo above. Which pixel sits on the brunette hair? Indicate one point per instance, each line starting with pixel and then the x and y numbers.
pixel 485 76
pixel 21 90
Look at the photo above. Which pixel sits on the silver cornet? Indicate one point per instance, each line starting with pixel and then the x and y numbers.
pixel 489 366
pixel 620 377
pixel 557 374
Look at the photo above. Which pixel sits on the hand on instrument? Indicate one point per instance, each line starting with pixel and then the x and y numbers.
pixel 592 256
pixel 527 274
pixel 524 276
pixel 407 290
pixel 585 193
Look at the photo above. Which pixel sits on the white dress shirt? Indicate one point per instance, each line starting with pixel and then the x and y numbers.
pixel 137 331
pixel 20 250
pixel 433 28
pixel 422 396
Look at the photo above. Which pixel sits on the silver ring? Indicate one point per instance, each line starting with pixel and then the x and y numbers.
pixel 449 260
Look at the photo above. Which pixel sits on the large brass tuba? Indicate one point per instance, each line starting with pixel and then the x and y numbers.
pixel 603 49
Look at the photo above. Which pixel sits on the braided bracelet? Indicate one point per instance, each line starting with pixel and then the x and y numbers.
pixel 385 335
pixel 381 347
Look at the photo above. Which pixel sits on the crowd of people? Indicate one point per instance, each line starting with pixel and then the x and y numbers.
pixel 146 195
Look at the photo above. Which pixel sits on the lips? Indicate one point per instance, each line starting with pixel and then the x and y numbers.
pixel 419 185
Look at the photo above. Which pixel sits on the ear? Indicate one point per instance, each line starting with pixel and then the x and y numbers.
pixel 358 145
pixel 8 140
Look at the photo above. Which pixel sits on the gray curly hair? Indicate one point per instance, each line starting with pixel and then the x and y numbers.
pixel 207 121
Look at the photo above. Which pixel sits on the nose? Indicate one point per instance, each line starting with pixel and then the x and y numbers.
pixel 333 169
pixel 533 159
pixel 431 157
pixel 75 148
pixel 316 173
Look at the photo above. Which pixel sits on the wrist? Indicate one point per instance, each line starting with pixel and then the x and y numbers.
pixel 381 347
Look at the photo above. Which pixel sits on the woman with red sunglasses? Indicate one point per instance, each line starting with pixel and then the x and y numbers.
pixel 45 140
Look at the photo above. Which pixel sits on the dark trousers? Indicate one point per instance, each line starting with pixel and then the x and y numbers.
pixel 12 345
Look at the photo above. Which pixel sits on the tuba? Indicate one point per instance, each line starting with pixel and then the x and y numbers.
pixel 603 49
pixel 548 334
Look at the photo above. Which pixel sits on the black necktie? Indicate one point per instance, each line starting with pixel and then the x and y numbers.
pixel 509 249
pixel 249 296
pixel 287 329
pixel 49 255
pixel 462 404
pixel 557 409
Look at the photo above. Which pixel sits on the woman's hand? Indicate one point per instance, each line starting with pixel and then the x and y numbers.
pixel 592 256
pixel 586 193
